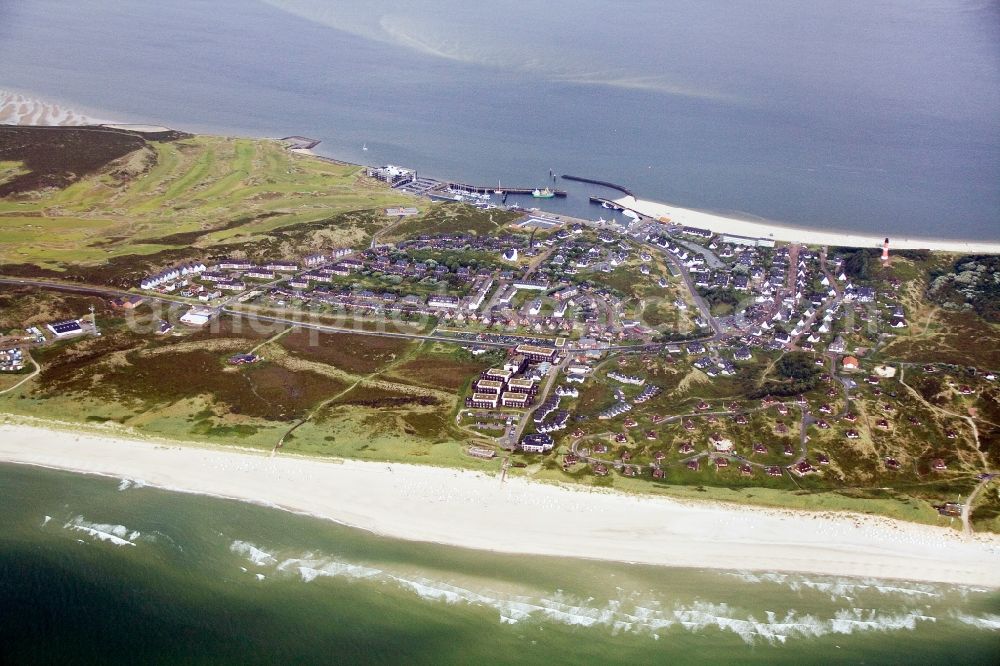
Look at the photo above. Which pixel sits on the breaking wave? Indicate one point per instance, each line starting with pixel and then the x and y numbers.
pixel 847 589
pixel 131 483
pixel 118 535
pixel 647 616
pixel 252 553
pixel 988 621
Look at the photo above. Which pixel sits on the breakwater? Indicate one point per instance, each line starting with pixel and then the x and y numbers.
pixel 463 187
pixel 606 203
pixel 602 183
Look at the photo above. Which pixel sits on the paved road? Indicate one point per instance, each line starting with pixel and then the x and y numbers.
pixel 87 289
pixel 112 292
pixel 703 307
pixel 342 329
pixel 542 397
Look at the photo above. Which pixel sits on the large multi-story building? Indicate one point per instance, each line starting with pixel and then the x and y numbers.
pixel 537 443
pixel 536 353
pixel 392 174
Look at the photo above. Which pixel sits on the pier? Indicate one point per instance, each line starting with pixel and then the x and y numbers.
pixel 602 183
pixel 506 190
pixel 607 203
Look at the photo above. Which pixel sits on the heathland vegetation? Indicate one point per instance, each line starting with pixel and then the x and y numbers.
pixel 106 207
pixel 76 197
pixel 349 394
pixel 125 205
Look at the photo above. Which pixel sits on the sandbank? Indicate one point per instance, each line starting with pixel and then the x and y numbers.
pixel 20 109
pixel 475 510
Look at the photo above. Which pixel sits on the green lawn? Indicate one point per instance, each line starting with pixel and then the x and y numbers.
pixel 194 192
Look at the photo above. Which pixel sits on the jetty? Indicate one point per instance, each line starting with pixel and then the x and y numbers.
pixel 606 203
pixel 602 183
pixel 463 187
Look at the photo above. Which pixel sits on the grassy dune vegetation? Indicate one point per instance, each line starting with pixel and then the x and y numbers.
pixel 124 195
pixel 103 206
pixel 939 335
pixel 354 395
pixel 450 220
pixel 925 408
pixel 106 207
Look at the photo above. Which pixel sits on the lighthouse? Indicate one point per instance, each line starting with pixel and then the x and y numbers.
pixel 885 251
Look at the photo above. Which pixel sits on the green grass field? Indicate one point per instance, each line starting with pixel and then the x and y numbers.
pixel 127 206
pixel 195 192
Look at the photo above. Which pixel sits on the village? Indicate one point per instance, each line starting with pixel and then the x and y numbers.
pixel 505 284
pixel 595 372
pixel 450 332
pixel 632 346
pixel 626 281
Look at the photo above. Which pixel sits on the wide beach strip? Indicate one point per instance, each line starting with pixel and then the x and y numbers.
pixel 476 511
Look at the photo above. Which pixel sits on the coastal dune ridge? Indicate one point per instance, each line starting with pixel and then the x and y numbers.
pixel 475 510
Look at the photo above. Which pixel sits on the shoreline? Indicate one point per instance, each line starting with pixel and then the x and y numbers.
pixel 716 222
pixel 776 231
pixel 474 510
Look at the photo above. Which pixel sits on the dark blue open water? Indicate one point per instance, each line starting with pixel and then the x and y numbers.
pixel 853 114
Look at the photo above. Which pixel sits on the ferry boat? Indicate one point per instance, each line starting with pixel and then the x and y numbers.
pixel 543 194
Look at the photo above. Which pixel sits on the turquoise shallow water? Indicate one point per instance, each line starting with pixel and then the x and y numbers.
pixel 96 569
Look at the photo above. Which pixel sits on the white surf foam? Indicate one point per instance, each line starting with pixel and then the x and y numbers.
pixel 847 589
pixel 618 615
pixel 118 535
pixel 252 553
pixel 849 621
pixel 987 621
pixel 310 568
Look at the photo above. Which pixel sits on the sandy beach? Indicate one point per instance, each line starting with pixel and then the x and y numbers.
pixel 475 510
pixel 723 224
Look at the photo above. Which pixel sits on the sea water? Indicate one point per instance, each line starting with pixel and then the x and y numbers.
pixel 856 115
pixel 110 570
